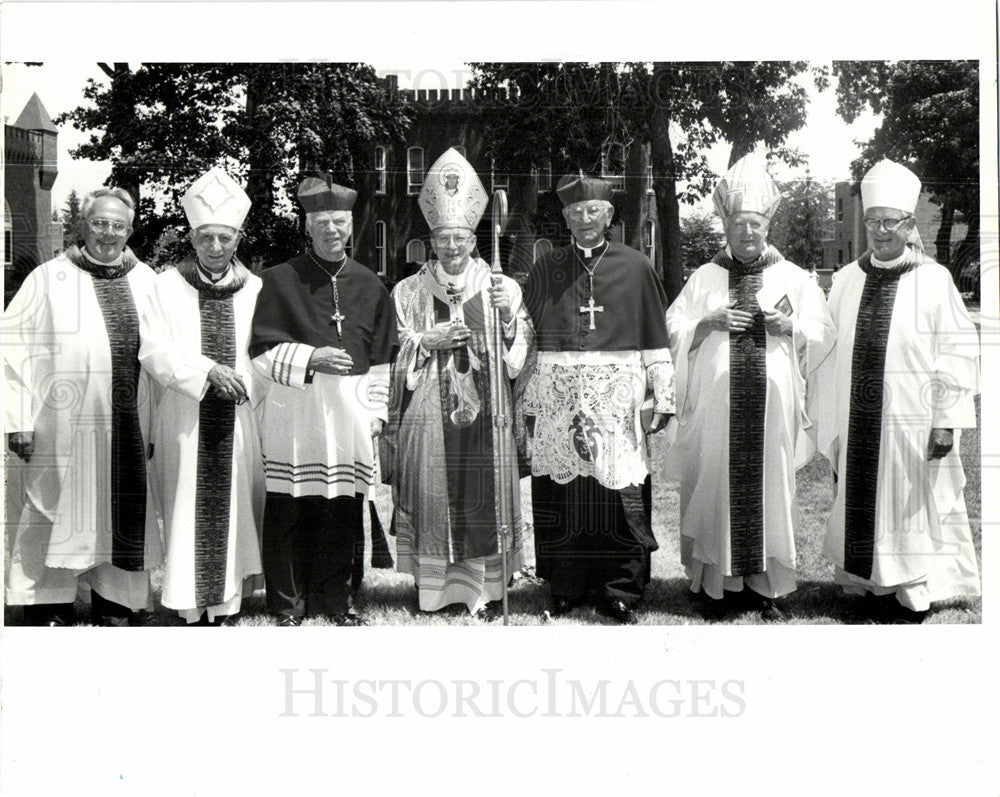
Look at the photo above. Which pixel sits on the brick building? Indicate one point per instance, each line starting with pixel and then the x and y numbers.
pixel 850 239
pixel 30 235
pixel 391 236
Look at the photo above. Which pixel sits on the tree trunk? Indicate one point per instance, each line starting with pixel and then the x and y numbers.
pixel 942 242
pixel 260 179
pixel 668 230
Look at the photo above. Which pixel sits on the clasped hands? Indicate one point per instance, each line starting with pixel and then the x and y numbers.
pixel 227 383
pixel 729 319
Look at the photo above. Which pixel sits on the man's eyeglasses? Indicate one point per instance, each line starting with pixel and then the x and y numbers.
pixel 889 225
pixel 592 211
pixel 103 225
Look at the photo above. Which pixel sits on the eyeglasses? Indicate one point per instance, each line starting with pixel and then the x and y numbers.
pixel 103 225
pixel 451 239
pixel 889 225
pixel 592 211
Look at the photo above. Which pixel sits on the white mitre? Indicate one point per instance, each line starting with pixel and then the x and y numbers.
pixel 890 185
pixel 747 187
pixel 215 198
pixel 452 194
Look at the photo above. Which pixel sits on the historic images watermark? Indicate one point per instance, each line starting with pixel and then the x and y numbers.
pixel 318 692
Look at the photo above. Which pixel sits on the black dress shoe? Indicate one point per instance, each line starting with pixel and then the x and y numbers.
pixel 490 612
pixel 560 606
pixel 901 615
pixel 289 620
pixel 620 611
pixel 767 607
pixel 347 620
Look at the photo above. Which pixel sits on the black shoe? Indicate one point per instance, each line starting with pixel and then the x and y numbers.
pixel 50 615
pixel 767 607
pixel 289 620
pixel 561 606
pixel 620 611
pixel 347 620
pixel 901 615
pixel 107 613
pixel 712 608
pixel 490 612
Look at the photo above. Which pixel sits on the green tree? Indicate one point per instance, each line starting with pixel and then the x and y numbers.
pixel 701 238
pixel 803 221
pixel 565 113
pixel 930 122
pixel 161 125
pixel 71 217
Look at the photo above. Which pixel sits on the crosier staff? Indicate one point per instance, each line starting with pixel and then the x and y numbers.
pixel 501 409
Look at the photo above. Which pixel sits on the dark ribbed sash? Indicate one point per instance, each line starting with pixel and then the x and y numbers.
pixel 128 461
pixel 469 464
pixel 864 432
pixel 747 398
pixel 216 424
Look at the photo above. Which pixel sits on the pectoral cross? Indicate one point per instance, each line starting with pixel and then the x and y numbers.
pixel 591 308
pixel 337 318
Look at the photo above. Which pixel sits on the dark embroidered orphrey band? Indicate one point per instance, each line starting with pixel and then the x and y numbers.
pixel 747 396
pixel 216 425
pixel 864 431
pixel 128 460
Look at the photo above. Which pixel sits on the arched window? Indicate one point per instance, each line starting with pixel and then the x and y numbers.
pixel 414 169
pixel 380 170
pixel 380 247
pixel 541 248
pixel 649 238
pixel 416 252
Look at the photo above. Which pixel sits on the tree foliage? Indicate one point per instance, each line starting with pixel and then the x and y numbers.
pixel 930 122
pixel 71 217
pixel 566 113
pixel 701 238
pixel 803 221
pixel 161 125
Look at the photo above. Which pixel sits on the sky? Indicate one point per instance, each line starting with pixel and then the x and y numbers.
pixel 826 140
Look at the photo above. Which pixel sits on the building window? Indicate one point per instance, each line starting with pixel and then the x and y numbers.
pixel 414 169
pixel 850 251
pixel 416 252
pixel 543 175
pixel 380 170
pixel 613 165
pixel 649 238
pixel 649 169
pixel 380 253
pixel 499 181
pixel 840 257
pixel 8 248
pixel 541 248
pixel 840 208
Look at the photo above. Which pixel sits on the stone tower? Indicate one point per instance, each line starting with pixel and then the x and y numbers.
pixel 30 235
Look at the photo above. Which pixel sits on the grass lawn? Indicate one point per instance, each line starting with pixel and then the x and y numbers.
pixel 387 598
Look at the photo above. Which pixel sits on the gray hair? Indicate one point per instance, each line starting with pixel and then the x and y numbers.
pixel 120 194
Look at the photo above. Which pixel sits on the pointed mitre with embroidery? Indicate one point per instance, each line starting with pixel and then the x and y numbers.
pixel 747 187
pixel 215 198
pixel 890 185
pixel 452 194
